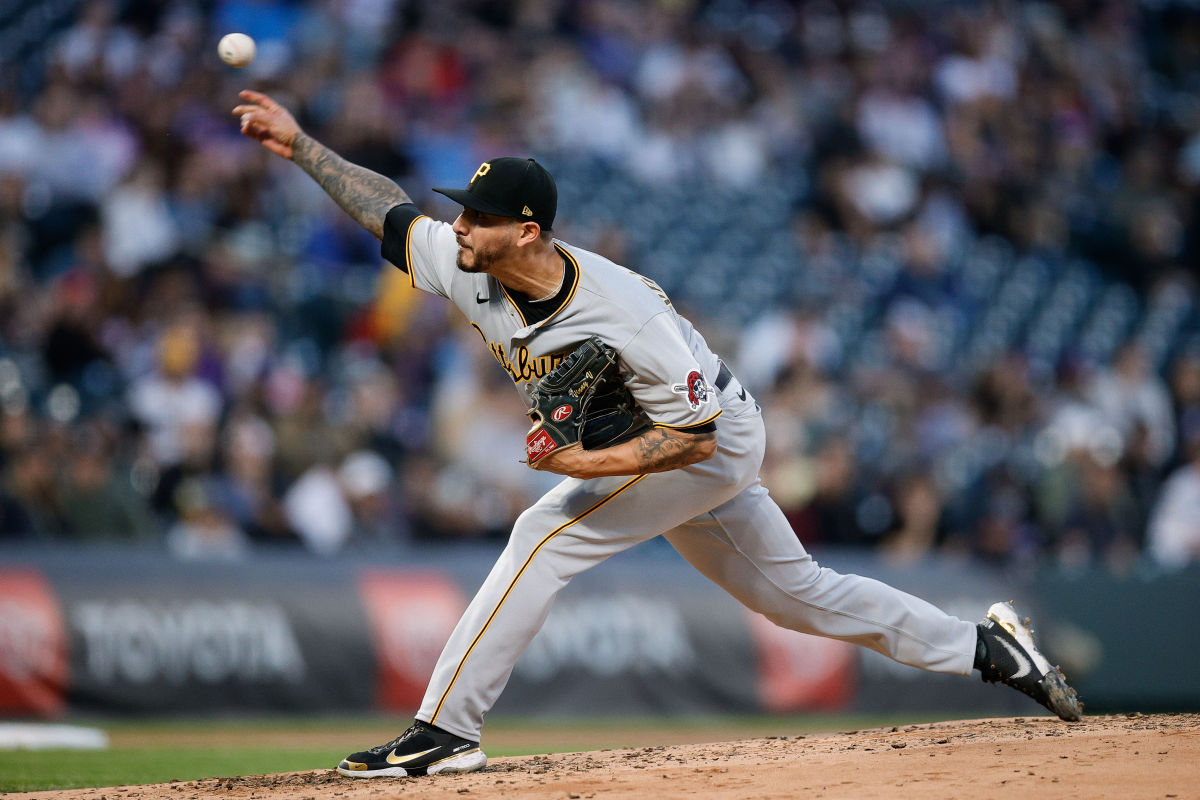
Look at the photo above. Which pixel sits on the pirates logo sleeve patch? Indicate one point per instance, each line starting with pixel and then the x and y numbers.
pixel 695 388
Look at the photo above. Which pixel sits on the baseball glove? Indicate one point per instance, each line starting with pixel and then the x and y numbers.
pixel 582 399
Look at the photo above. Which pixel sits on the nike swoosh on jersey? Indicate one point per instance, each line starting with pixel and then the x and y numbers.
pixel 479 299
pixel 742 393
pixel 1024 663
pixel 393 759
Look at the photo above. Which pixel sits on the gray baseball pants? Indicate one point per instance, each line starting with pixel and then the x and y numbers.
pixel 719 517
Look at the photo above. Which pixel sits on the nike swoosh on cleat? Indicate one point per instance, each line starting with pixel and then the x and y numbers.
pixel 392 759
pixel 1022 661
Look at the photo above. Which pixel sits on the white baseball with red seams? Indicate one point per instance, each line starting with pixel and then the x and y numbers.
pixel 716 513
pixel 236 49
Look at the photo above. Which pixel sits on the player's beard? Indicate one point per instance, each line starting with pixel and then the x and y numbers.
pixel 482 259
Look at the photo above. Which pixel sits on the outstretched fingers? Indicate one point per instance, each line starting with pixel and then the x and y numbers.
pixel 247 115
pixel 265 121
pixel 257 97
pixel 259 103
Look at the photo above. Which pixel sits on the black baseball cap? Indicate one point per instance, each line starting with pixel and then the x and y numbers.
pixel 510 187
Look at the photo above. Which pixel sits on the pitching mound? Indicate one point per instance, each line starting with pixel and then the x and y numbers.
pixel 1127 757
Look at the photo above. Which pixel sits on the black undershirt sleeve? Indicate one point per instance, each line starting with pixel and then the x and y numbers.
pixel 396 225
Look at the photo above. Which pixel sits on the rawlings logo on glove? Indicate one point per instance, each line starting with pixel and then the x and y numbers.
pixel 539 444
pixel 582 400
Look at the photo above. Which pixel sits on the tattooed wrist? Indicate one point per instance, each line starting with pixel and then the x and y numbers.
pixel 365 195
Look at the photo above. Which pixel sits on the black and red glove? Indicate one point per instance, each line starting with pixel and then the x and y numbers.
pixel 582 399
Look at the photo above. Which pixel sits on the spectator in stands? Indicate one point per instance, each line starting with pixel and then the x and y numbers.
pixel 366 479
pixel 1185 400
pixel 98 500
pixel 1173 536
pixel 917 186
pixel 16 524
pixel 33 505
pixel 316 508
pixel 176 406
pixel 920 524
pixel 829 514
pixel 1140 480
pixel 205 531
pixel 1129 395
pixel 1000 519
pixel 1100 524
pixel 248 485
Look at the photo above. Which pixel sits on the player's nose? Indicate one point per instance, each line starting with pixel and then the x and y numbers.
pixel 460 227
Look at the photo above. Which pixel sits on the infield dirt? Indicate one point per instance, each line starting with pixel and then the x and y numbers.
pixel 1129 757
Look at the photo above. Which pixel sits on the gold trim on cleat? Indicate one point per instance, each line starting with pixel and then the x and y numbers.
pixel 396 760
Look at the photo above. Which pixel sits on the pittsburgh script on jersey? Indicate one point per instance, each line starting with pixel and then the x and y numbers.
pixel 524 367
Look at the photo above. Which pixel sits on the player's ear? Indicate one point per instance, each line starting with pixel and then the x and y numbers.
pixel 529 233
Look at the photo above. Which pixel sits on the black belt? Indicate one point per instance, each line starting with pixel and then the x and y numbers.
pixel 724 376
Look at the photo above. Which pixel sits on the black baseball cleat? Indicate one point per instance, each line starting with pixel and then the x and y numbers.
pixel 420 750
pixel 1013 659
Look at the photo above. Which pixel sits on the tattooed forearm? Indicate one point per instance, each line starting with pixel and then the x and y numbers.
pixel 662 449
pixel 656 450
pixel 365 195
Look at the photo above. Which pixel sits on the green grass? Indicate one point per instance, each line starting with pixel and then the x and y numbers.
pixel 158 751
pixel 28 771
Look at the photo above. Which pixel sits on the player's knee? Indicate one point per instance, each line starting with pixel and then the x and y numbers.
pixel 788 605
pixel 772 604
pixel 531 527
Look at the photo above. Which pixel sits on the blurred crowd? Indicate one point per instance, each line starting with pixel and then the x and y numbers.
pixel 949 246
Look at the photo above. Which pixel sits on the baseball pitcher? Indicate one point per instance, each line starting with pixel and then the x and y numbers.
pixel 653 433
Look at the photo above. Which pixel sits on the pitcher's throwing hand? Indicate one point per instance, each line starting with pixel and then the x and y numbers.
pixel 267 122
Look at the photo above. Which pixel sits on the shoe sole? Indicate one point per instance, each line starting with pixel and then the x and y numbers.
pixel 1063 699
pixel 467 762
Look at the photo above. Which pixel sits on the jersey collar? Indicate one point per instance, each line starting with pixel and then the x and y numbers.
pixel 572 274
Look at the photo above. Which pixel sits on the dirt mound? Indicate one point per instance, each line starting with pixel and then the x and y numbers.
pixel 1128 757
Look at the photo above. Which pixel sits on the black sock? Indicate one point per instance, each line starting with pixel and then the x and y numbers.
pixel 981 651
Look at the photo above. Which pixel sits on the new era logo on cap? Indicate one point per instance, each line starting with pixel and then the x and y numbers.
pixel 520 188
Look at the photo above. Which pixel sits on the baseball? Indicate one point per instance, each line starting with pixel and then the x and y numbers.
pixel 236 49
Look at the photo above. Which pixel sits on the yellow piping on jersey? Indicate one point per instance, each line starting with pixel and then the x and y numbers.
pixel 520 313
pixel 574 285
pixel 511 586
pixel 408 262
pixel 564 304
pixel 692 425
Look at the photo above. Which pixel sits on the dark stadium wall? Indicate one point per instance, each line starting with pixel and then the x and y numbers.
pixel 110 631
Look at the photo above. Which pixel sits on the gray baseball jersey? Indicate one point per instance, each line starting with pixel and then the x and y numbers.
pixel 664 361
pixel 716 513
